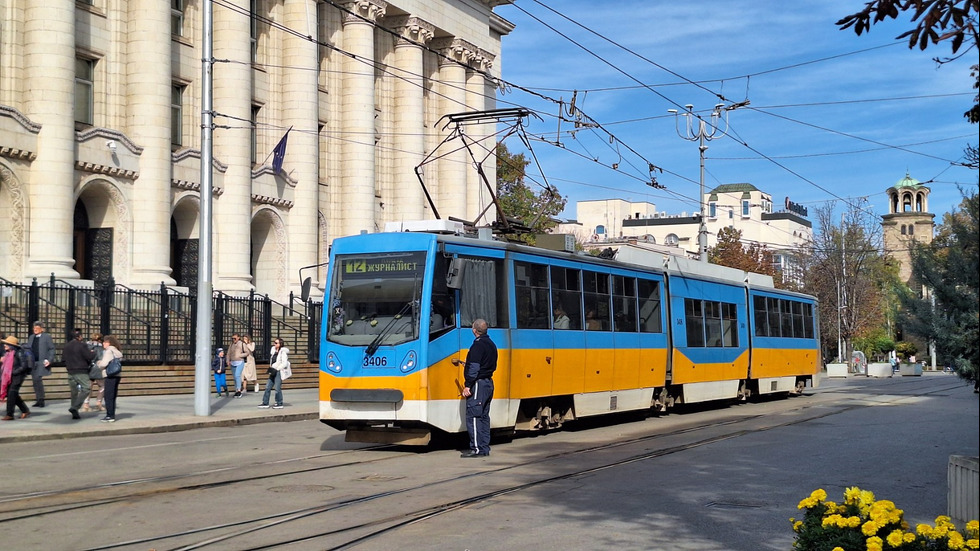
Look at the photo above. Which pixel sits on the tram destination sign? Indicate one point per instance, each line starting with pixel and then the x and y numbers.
pixel 373 266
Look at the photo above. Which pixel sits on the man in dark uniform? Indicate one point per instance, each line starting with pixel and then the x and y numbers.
pixel 481 362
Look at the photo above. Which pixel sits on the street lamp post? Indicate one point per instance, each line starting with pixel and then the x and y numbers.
pixel 706 131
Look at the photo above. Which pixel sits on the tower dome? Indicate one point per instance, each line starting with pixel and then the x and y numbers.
pixel 908 182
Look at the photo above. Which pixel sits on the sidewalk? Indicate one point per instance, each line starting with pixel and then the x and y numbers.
pixel 149 414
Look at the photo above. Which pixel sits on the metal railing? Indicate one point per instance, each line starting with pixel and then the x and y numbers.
pixel 156 326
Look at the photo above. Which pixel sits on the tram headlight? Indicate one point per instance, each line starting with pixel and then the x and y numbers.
pixel 333 362
pixel 410 361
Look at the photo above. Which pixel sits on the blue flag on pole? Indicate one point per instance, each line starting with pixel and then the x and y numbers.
pixel 279 153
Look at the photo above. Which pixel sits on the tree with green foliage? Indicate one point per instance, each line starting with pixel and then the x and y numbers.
pixel 732 253
pixel 875 343
pixel 843 266
pixel 947 313
pixel 520 203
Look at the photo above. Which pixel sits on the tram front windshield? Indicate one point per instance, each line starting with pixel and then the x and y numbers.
pixel 375 298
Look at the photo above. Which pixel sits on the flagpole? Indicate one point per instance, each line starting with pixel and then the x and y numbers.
pixel 202 356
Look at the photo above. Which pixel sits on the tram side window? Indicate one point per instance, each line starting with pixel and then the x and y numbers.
pixel 597 300
pixel 761 317
pixel 566 298
pixel 624 304
pixel 775 327
pixel 531 290
pixel 807 320
pixel 443 308
pixel 648 295
pixel 712 324
pixel 483 293
pixel 694 322
pixel 786 317
pixel 798 331
pixel 729 324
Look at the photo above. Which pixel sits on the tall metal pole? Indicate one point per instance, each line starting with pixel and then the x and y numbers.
pixel 702 228
pixel 704 133
pixel 202 355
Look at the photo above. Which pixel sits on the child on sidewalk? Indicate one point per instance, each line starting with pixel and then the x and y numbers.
pixel 220 368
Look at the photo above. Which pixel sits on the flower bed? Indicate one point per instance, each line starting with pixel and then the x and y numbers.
pixel 863 524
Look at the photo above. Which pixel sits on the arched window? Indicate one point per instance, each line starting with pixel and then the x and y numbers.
pixel 671 240
pixel 911 229
pixel 903 229
pixel 600 230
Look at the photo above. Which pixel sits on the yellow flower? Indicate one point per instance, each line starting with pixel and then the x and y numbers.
pixel 853 522
pixel 923 530
pixel 797 525
pixel 973 527
pixel 895 538
pixel 973 543
pixel 909 537
pixel 874 543
pixel 838 548
pixel 852 494
pixel 819 494
pixel 955 541
pixel 869 528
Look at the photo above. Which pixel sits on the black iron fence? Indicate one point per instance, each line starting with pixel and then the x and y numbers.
pixel 157 326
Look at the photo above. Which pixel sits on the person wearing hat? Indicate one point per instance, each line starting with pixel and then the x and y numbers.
pixel 15 362
pixel 219 365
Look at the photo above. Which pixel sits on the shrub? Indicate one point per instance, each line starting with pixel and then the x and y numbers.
pixel 861 523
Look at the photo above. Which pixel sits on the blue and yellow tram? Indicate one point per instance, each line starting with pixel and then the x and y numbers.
pixel 577 335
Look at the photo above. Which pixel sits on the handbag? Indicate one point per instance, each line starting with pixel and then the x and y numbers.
pixel 287 371
pixel 95 372
pixel 114 368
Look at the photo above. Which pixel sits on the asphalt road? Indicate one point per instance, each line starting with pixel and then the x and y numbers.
pixel 707 479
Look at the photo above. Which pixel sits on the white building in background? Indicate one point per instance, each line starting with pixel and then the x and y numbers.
pixel 605 222
pixel 100 110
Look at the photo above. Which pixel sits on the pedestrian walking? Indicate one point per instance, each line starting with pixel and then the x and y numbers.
pixel 78 358
pixel 4 373
pixel 15 361
pixel 42 347
pixel 113 350
pixel 219 365
pixel 236 356
pixel 96 377
pixel 481 362
pixel 249 375
pixel 279 361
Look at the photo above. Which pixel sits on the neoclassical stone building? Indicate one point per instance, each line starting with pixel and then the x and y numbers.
pixel 100 131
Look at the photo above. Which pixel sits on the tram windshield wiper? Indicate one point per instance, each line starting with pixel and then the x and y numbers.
pixel 386 330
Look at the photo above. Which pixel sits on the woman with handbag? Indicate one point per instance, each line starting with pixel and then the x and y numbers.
pixel 95 375
pixel 249 375
pixel 111 364
pixel 280 361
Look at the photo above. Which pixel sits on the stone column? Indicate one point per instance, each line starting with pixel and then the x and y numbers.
pixel 478 100
pixel 409 116
pixel 232 93
pixel 49 46
pixel 357 178
pixel 149 123
pixel 452 189
pixel 299 110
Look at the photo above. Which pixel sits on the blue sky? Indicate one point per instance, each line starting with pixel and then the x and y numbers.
pixel 832 116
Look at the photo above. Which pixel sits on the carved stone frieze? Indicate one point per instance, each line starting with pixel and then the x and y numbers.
pixel 117 172
pixel 359 10
pixel 411 30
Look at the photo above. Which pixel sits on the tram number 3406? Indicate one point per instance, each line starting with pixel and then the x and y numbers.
pixel 375 361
